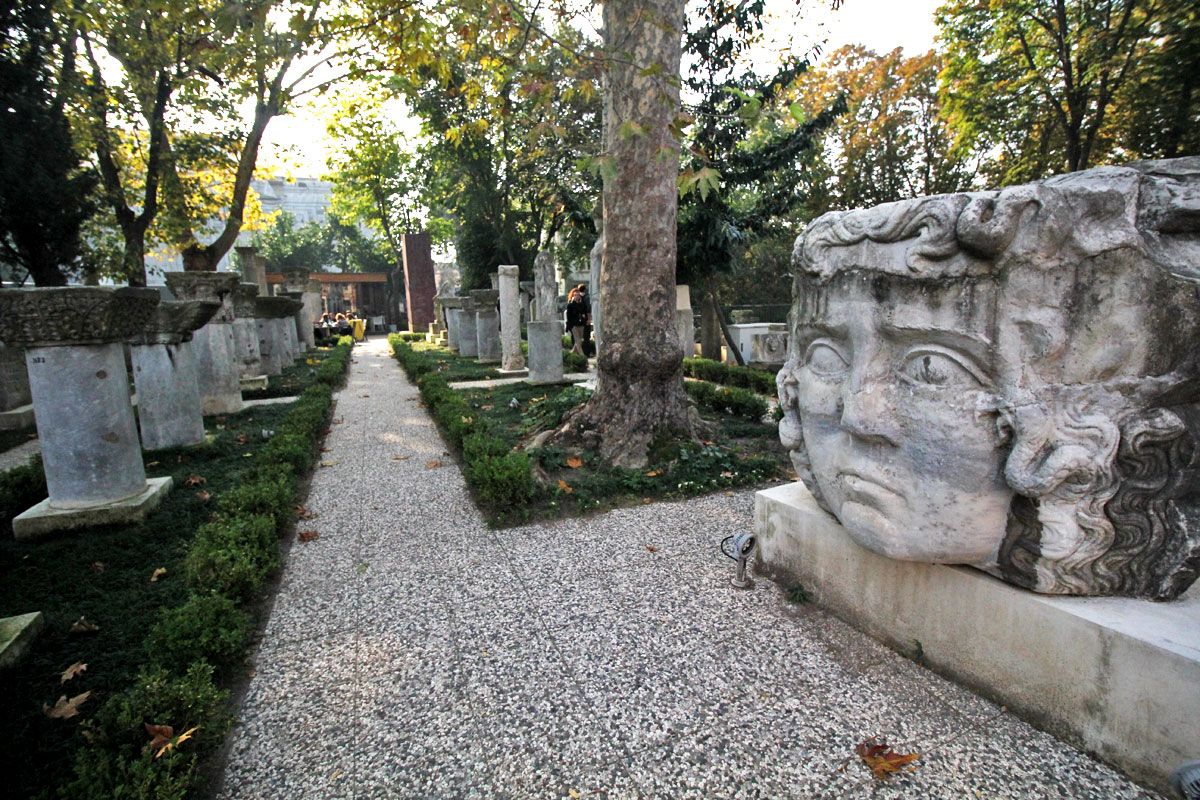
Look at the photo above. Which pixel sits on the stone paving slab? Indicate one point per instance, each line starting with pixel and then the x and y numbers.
pixel 414 653
pixel 570 377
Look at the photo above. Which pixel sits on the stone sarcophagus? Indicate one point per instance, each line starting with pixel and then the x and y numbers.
pixel 1009 379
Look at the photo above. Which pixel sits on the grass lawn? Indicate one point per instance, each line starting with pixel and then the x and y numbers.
pixel 108 576
pixel 454 367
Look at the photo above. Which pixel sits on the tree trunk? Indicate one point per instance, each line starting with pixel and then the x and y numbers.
pixel 639 388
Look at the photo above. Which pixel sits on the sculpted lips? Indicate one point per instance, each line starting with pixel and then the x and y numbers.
pixel 862 487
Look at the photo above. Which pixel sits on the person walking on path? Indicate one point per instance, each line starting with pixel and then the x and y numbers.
pixel 579 313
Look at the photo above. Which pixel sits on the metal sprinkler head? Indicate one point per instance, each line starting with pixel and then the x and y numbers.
pixel 744 545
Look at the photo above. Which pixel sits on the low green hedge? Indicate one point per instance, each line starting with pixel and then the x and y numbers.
pixel 756 380
pixel 727 399
pixel 191 645
pixel 500 479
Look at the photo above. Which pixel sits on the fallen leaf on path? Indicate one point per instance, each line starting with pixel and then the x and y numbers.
pixel 326 449
pixel 563 485
pixel 308 536
pixel 158 573
pixel 64 708
pixel 195 480
pixel 646 500
pixel 366 395
pixel 304 513
pixel 401 458
pixel 82 625
pixel 338 421
pixel 652 548
pixel 432 464
pixel 327 431
pixel 882 760
pixel 72 671
pixel 330 463
pixel 574 462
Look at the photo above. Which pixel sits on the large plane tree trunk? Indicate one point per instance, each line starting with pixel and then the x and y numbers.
pixel 639 387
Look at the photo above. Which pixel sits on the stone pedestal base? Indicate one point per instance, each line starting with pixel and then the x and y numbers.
pixel 251 383
pixel 1113 676
pixel 169 413
pixel 468 341
pixel 513 373
pixel 545 351
pixel 17 418
pixel 217 369
pixel 43 519
pixel 16 633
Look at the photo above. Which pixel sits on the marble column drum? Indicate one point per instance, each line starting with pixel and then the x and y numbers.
pixel 170 413
pixel 453 309
pixel 90 451
pixel 268 346
pixel 487 326
pixel 510 320
pixel 468 343
pixel 218 368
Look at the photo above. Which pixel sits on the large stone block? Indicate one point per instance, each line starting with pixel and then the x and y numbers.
pixel 1007 379
pixel 420 283
pixel 1117 677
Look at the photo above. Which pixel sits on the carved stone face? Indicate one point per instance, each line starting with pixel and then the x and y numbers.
pixel 897 405
pixel 1009 379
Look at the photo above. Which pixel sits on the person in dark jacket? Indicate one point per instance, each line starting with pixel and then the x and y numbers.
pixel 579 314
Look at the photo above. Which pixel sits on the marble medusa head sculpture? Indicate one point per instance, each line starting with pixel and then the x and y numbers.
pixel 1009 379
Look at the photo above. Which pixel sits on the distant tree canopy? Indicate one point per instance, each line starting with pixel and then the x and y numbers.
pixel 319 246
pixel 44 190
pixel 1049 86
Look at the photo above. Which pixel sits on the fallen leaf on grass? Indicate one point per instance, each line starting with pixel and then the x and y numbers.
pixel 401 458
pixel 308 536
pixel 162 737
pixel 195 480
pixel 574 462
pixel 652 548
pixel 203 496
pixel 646 500
pixel 97 566
pixel 243 439
pixel 882 760
pixel 158 573
pixel 654 473
pixel 72 671
pixel 181 460
pixel 563 485
pixel 64 708
pixel 153 464
pixel 726 474
pixel 432 464
pixel 485 408
pixel 82 625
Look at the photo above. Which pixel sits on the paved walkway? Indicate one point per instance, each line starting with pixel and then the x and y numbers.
pixel 413 652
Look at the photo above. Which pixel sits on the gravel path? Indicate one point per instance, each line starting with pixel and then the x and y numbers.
pixel 413 652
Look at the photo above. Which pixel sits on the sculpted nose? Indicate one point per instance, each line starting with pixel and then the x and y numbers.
pixel 867 415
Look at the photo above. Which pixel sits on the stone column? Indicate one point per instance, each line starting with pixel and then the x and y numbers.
pixel 270 348
pixel 218 368
pixel 420 284
pixel 545 332
pixel 80 390
pixel 685 325
pixel 296 284
pixel 527 295
pixel 295 329
pixel 254 267
pixel 245 338
pixel 453 309
pixel 487 325
pixel 468 342
pixel 164 373
pixel 510 321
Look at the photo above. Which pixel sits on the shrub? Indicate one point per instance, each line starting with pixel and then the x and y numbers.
pixel 409 337
pixel 573 362
pixel 705 369
pixel 118 761
pixel 739 402
pixel 502 482
pixel 269 491
pixel 232 556
pixel 208 627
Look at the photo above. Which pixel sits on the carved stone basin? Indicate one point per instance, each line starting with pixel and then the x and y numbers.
pixel 73 315
pixel 172 323
pixel 244 297
pixel 208 286
pixel 275 307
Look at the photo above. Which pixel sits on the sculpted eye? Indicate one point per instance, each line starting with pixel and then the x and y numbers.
pixel 940 368
pixel 825 360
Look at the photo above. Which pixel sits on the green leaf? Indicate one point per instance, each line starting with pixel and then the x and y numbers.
pixel 653 69
pixel 797 112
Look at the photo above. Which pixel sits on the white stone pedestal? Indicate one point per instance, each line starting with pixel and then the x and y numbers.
pixel 487 326
pixel 1119 678
pixel 453 311
pixel 468 341
pixel 545 351
pixel 685 324
pixel 169 408
pixel 217 369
